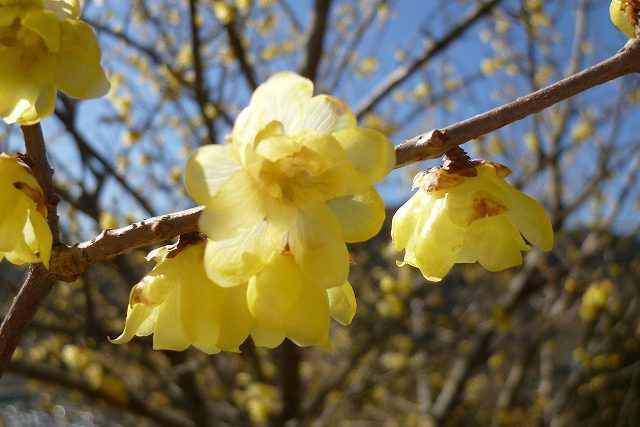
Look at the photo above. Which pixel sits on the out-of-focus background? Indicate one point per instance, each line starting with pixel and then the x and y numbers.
pixel 555 342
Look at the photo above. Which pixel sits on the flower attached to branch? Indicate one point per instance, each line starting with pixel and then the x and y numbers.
pixel 45 47
pixel 625 15
pixel 468 214
pixel 282 198
pixel 25 236
pixel 181 306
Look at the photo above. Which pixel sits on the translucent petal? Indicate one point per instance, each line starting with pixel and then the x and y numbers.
pixel 342 303
pixel 272 292
pixel 529 217
pixel 328 114
pixel 370 152
pixel 267 337
pixel 239 205
pixel 46 25
pixel 360 216
pixel 497 244
pixel 201 302
pixel 64 8
pixel 315 241
pixel 620 20
pixel 410 218
pixel 308 322
pixel 284 97
pixel 236 319
pixel 42 236
pixel 168 334
pixel 233 261
pixel 17 96
pixel 207 171
pixel 136 316
pixel 437 244
pixel 78 70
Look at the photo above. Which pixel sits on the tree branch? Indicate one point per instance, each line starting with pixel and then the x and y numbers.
pixel 433 144
pixel 316 39
pixel 403 72
pixel 43 172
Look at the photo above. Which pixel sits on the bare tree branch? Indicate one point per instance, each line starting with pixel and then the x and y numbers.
pixel 403 72
pixel 433 144
pixel 316 39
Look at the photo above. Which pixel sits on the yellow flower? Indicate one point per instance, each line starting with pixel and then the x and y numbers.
pixel 178 303
pixel 25 236
pixel 463 219
pixel 181 306
pixel 44 47
pixel 293 184
pixel 619 17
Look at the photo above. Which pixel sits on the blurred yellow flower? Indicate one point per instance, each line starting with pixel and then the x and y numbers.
pixel 620 17
pixel 456 217
pixel 293 184
pixel 44 47
pixel 25 236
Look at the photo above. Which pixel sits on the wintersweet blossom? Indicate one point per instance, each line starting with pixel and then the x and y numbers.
pixel 45 47
pixel 292 185
pixel 25 236
pixel 181 306
pixel 621 11
pixel 467 216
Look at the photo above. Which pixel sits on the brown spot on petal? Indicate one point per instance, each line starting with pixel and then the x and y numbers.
pixel 136 295
pixel 337 106
pixel 486 206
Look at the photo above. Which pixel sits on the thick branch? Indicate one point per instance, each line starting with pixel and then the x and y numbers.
pixel 433 144
pixel 69 263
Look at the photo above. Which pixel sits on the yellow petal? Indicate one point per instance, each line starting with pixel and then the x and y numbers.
pixel 42 239
pixel 201 302
pixel 328 114
pixel 78 70
pixel 529 217
pixel 267 337
pixel 236 319
pixel 497 244
pixel 434 248
pixel 207 171
pixel 620 20
pixel 136 315
pixel 8 15
pixel 308 322
pixel 342 302
pixel 360 216
pixel 273 291
pixel 239 205
pixel 168 334
pixel 410 218
pixel 64 8
pixel 315 242
pixel 232 262
pixel 370 152
pixel 284 98
pixel 46 25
